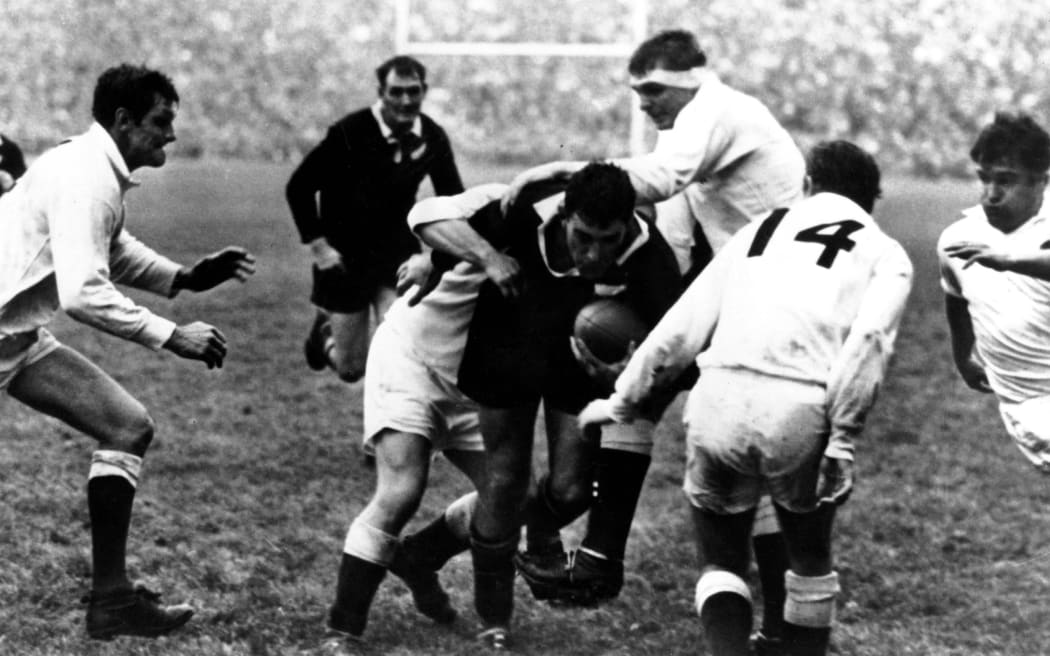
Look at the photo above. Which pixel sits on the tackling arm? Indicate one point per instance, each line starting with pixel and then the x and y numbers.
pixel 1034 263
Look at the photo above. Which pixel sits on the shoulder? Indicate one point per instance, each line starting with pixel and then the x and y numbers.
pixel 432 127
pixel 971 226
pixel 355 122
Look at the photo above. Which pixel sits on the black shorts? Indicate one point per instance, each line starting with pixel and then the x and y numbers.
pixel 343 290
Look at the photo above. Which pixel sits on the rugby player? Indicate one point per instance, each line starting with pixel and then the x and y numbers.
pixel 792 325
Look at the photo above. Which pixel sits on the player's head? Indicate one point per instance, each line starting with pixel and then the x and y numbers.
pixel 843 168
pixel 598 211
pixel 137 106
pixel 402 87
pixel 666 71
pixel 1012 154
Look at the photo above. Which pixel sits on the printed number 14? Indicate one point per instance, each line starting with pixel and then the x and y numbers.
pixel 834 236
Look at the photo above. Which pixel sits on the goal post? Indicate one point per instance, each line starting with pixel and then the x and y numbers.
pixel 403 44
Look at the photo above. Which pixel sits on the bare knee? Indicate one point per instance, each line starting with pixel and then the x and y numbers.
pixel 397 501
pixel 133 435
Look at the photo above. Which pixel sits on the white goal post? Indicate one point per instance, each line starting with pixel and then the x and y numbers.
pixel 639 26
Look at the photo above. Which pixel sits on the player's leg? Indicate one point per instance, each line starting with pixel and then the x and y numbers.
pixel 772 561
pixel 340 333
pixel 423 553
pixel 495 529
pixel 348 349
pixel 104 410
pixel 402 466
pixel 811 583
pixel 559 497
pixel 723 599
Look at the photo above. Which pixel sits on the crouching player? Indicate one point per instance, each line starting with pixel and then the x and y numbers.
pixel 791 325
pixel 413 407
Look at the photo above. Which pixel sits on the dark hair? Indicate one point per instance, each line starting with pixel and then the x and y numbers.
pixel 845 169
pixel 1013 137
pixel 601 194
pixel 130 87
pixel 675 50
pixel 402 65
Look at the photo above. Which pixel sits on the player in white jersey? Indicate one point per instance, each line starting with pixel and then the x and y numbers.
pixel 721 161
pixel 63 245
pixel 791 325
pixel 995 272
pixel 412 407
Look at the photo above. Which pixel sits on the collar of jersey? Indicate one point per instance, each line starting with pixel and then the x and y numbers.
pixel 100 137
pixel 384 129
pixel 547 210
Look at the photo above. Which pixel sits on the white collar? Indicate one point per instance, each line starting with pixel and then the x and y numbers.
pixel 384 129
pixel 101 137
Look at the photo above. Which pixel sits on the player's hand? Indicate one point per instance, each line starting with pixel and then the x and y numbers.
pixel 198 341
pixel 505 272
pixel 539 173
pixel 325 257
pixel 215 269
pixel 413 271
pixel 973 375
pixel 604 373
pixel 595 414
pixel 978 253
pixel 835 482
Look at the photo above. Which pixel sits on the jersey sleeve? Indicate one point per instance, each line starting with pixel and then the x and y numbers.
pixel 858 372
pixel 688 151
pixel 307 180
pixel 684 331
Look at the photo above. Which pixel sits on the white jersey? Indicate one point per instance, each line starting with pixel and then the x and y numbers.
pixel 63 244
pixel 732 146
pixel 436 329
pixel 813 295
pixel 1010 311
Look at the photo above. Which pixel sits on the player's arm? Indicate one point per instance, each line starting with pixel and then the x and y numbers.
pixel 688 151
pixel 560 170
pixel 856 375
pixel 301 193
pixel 960 327
pixel 467 227
pixel 1032 262
pixel 683 332
pixel 444 174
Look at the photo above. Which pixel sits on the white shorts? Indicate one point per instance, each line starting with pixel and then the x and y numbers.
pixel 403 394
pixel 20 350
pixel 1028 423
pixel 748 433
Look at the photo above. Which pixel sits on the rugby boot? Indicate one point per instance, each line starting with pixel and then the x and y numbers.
pixel 545 570
pixel 591 580
pixel 314 346
pixel 763 645
pixel 134 611
pixel 430 598
pixel 495 638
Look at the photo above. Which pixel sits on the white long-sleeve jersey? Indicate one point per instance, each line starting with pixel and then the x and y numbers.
pixel 815 295
pixel 63 244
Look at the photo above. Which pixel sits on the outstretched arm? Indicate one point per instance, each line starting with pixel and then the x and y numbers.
pixel 1034 262
pixel 213 270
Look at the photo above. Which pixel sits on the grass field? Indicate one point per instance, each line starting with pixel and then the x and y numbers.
pixel 255 474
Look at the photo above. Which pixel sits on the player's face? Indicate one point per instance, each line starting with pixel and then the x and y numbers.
pixel 144 141
pixel 1010 194
pixel 661 102
pixel 402 99
pixel 593 250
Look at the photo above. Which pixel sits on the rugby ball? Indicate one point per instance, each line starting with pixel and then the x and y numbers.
pixel 607 327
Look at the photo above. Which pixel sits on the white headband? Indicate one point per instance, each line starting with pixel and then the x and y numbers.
pixel 688 79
